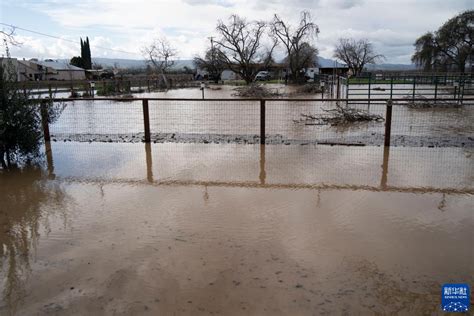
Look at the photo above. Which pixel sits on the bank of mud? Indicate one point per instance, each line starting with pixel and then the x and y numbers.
pixel 374 139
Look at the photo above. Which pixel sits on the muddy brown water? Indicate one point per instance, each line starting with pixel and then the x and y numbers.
pixel 200 229
pixel 240 117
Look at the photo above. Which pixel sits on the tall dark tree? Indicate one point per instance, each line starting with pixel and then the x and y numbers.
pixel 306 57
pixel 77 61
pixel 213 62
pixel 82 50
pixel 85 55
pixel 450 47
pixel 88 57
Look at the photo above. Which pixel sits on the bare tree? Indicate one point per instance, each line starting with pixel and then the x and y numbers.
pixel 160 54
pixel 356 54
pixel 241 43
pixel 297 42
pixel 9 36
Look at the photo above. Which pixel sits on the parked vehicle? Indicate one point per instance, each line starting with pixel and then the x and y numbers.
pixel 262 76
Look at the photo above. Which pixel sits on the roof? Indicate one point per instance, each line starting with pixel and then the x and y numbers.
pixel 58 65
pixel 330 63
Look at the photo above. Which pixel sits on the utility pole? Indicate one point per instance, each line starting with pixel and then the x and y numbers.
pixel 211 38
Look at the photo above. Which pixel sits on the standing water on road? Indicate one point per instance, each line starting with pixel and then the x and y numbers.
pixel 235 229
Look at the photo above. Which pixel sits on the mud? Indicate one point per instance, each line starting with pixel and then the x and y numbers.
pixel 200 229
pixel 238 121
pixel 374 139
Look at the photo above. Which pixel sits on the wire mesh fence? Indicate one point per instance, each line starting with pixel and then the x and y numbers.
pixel 255 121
pixel 293 167
pixel 204 121
pixel 307 122
pixel 440 88
pixel 99 121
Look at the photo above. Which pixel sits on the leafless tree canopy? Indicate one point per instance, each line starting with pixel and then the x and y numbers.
pixel 160 54
pixel 241 43
pixel 356 54
pixel 297 42
pixel 9 36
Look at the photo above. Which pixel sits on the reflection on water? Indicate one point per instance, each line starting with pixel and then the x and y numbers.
pixel 236 229
pixel 27 202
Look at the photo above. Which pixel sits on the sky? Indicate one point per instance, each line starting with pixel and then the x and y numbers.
pixel 125 26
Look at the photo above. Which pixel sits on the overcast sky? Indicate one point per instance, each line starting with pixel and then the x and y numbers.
pixel 126 25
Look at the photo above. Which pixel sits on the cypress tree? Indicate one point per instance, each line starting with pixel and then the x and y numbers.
pixel 82 49
pixel 88 58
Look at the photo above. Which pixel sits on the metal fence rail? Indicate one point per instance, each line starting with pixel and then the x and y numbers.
pixel 259 121
pixel 440 88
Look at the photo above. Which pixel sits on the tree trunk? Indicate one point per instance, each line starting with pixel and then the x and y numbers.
pixel 164 79
pixel 7 153
pixel 2 158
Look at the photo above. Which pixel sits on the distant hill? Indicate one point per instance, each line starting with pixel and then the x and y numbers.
pixel 327 62
pixel 136 63
pixel 133 63
pixel 323 62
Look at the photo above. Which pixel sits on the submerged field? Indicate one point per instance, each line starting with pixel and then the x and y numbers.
pixel 238 121
pixel 232 229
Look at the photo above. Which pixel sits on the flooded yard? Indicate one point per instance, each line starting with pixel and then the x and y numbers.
pixel 232 229
pixel 238 121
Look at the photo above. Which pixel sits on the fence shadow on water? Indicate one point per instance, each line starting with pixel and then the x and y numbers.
pixel 441 170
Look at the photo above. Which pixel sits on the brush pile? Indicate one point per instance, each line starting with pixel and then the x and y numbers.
pixel 307 89
pixel 255 90
pixel 338 117
pixel 421 102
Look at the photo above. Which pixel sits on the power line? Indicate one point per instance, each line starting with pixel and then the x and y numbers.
pixel 65 39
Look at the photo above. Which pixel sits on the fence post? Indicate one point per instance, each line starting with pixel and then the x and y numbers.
pixel 347 91
pixel 262 122
pixel 436 88
pixel 368 92
pixel 45 120
pixel 414 87
pixel 388 122
pixel 146 120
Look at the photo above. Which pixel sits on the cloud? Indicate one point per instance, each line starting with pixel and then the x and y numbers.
pixel 128 25
pixel 222 3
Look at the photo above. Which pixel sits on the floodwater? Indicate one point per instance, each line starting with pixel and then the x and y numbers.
pixel 242 118
pixel 203 229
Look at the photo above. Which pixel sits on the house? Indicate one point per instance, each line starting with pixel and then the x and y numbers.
pixel 34 70
pixel 332 67
pixel 30 70
pixel 61 70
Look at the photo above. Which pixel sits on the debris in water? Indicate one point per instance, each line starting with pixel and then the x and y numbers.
pixel 255 90
pixel 339 116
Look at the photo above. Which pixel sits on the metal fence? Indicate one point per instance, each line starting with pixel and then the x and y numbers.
pixel 259 121
pixel 397 169
pixel 440 88
pixel 108 86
